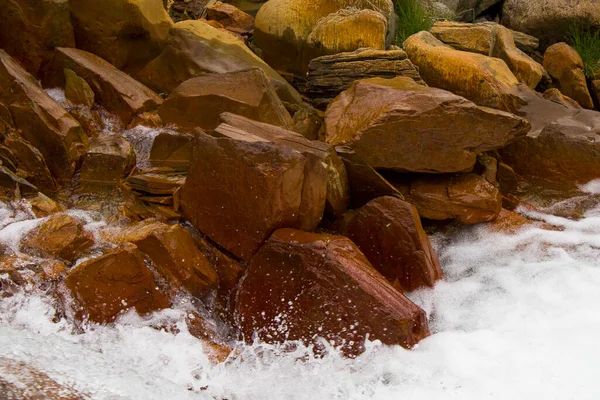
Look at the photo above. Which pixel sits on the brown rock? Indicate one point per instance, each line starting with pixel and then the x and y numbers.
pixel 108 160
pixel 196 49
pixel 398 124
pixel 321 285
pixel 181 10
pixel 248 93
pixel 45 124
pixel 43 206
pixel 10 182
pixel 239 203
pixel 232 18
pixel 389 233
pixel 31 162
pixel 172 149
pixel 126 33
pixel 114 282
pixel 77 90
pixel 31 29
pixel 565 66
pixel 61 236
pixel 115 90
pixel 556 96
pixel 330 75
pixel 337 179
pixel 468 198
pixel 486 81
pixel 147 119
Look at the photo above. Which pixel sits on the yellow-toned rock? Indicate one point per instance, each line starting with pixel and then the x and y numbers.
pixel 486 81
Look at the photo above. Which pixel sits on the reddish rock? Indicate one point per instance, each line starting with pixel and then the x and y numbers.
pixel 77 90
pixel 556 96
pixel 31 162
pixel 43 206
pixel 117 281
pixel 389 233
pixel 172 149
pixel 45 124
pixel 240 202
pixel 232 18
pixel 248 93
pixel 301 286
pixel 115 90
pixel 61 236
pixel 108 159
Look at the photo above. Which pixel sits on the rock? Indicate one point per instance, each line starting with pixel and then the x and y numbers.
pixel 10 182
pixel 126 33
pixel 526 70
pixel 246 92
pixel 484 80
pixel 286 30
pixel 115 90
pixel 565 66
pixel 301 286
pixel 32 164
pixel 194 48
pixel 527 43
pixel 468 198
pixel 307 120
pixel 155 183
pixel 45 124
pixel 232 18
pixel 77 90
pixel 178 260
pixel 31 29
pixel 398 124
pixel 105 286
pixel 43 206
pixel 557 97
pixel 172 149
pixel 548 20
pixel 470 10
pixel 61 236
pixel 389 233
pixel 238 204
pixel 338 195
pixel 147 119
pixel 108 160
pixel 181 10
pixel 330 75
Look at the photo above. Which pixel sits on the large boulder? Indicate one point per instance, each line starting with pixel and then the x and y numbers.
pixel 262 186
pixel 486 81
pixel 105 286
pixel 565 66
pixel 302 286
pixel 492 40
pixel 247 92
pixel 44 123
pixel 194 48
pixel 548 20
pixel 467 198
pixel 330 75
pixel 114 90
pixel 108 159
pixel 31 29
pixel 389 233
pixel 398 124
pixel 293 32
pixel 126 33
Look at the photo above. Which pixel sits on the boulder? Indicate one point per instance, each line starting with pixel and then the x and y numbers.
pixel 389 233
pixel 115 90
pixel 486 81
pixel 181 10
pixel 247 92
pixel 108 159
pixel 565 66
pixel 60 236
pixel 467 198
pixel 470 10
pixel 548 20
pixel 45 124
pixel 172 149
pixel 330 75
pixel 492 40
pixel 286 30
pixel 42 206
pixel 105 286
pixel 260 188
pixel 10 182
pixel 31 29
pixel 305 286
pixel 126 33
pixel 398 124
pixel 194 48
pixel 232 18
pixel 337 179
pixel 557 97
pixel 77 90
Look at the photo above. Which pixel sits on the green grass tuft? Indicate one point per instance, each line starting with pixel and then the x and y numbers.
pixel 587 44
pixel 413 18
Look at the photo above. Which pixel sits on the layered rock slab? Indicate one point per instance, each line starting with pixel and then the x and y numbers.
pixel 322 286
pixel 398 124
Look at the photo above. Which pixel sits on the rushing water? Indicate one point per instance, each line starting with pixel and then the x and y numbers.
pixel 516 317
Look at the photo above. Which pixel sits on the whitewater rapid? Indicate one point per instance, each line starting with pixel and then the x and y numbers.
pixel 516 317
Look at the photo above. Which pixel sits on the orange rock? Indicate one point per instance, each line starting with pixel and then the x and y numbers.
pixel 232 18
pixel 108 160
pixel 509 222
pixel 43 206
pixel 389 233
pixel 31 162
pixel 114 282
pixel 301 286
pixel 61 236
